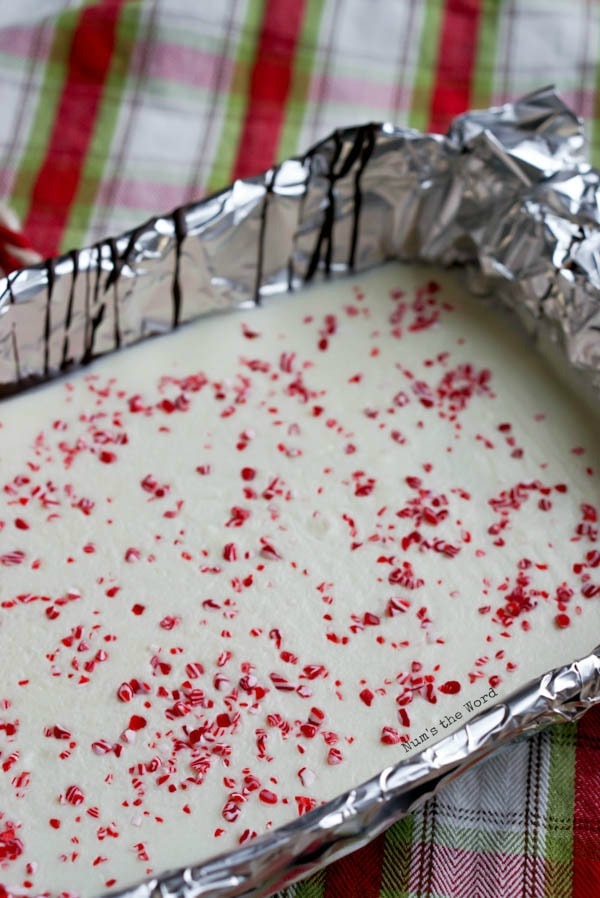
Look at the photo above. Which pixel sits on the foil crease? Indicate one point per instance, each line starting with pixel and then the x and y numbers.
pixel 507 193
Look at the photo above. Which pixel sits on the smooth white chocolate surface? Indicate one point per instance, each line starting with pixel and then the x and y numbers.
pixel 251 564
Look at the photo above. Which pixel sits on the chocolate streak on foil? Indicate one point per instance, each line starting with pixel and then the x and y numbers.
pixel 67 362
pixel 507 193
pixel 48 315
pixel 180 235
pixel 92 321
pixel 326 231
pixel 368 145
pixel 260 255
pixel 115 260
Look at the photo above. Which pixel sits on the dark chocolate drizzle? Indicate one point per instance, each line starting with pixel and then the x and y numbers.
pixel 95 316
pixel 180 226
pixel 307 163
pixel 13 336
pixel 86 310
pixel 358 155
pixel 50 281
pixel 366 138
pixel 323 245
pixel 10 279
pixel 260 258
pixel 117 261
pixel 67 361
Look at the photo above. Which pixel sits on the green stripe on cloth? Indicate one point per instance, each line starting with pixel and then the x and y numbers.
pixel 49 95
pixel 482 86
pixel 98 152
pixel 299 90
pixel 221 171
pixel 560 810
pixel 396 859
pixel 427 65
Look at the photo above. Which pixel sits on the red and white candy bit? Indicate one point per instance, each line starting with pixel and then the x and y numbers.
pixel 20 782
pixel 304 804
pixel 194 669
pixel 280 683
pixel 11 846
pixel 221 682
pixel 57 732
pixel 233 807
pixel 306 776
pixel 132 555
pixel 141 850
pixel 230 552
pixel 170 621
pixel 74 795
pixel 247 836
pixel 12 558
pixel 334 756
pixel 268 550
pixel 10 760
pixel 390 736
pixel 450 687
pixel 125 692
pixel 366 696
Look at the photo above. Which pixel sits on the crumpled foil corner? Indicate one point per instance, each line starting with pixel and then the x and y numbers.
pixel 507 193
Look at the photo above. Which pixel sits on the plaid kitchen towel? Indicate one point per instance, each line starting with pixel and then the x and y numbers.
pixel 523 824
pixel 115 110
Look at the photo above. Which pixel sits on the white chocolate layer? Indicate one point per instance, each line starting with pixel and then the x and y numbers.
pixel 249 565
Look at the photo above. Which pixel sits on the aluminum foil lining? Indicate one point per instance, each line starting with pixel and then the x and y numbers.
pixel 507 193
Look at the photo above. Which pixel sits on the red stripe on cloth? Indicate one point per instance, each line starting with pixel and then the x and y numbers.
pixel 8 236
pixel 357 875
pixel 269 86
pixel 586 826
pixel 89 59
pixel 457 51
